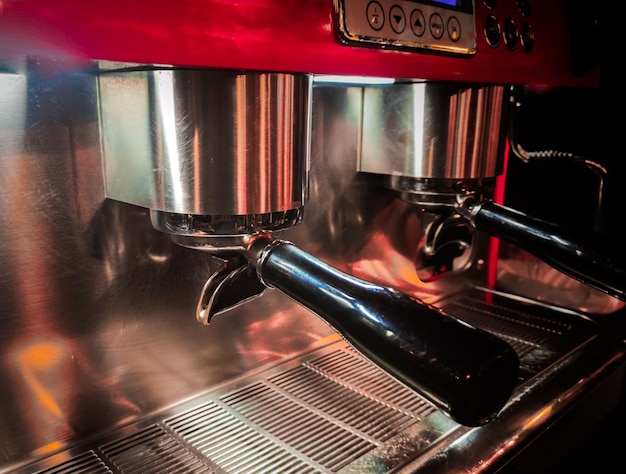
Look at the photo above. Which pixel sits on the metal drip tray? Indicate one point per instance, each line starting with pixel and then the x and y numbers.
pixel 330 410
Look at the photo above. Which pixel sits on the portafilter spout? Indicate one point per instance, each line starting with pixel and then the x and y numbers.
pixel 467 372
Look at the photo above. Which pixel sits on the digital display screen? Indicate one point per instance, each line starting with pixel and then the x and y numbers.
pixel 462 5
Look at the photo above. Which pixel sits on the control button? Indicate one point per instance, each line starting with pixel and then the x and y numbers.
pixel 436 25
pixel 397 19
pixel 491 4
pixel 528 37
pixel 375 15
pixel 524 7
pixel 511 38
pixel 492 31
pixel 454 28
pixel 418 22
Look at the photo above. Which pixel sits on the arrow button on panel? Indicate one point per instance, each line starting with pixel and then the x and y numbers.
pixel 418 22
pixel 397 19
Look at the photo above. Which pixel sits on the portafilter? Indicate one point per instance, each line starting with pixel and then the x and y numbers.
pixel 221 160
pixel 442 147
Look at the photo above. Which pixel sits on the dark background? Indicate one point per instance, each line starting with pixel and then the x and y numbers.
pixel 585 122
pixel 589 123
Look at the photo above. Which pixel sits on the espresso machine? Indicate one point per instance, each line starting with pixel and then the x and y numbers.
pixel 276 237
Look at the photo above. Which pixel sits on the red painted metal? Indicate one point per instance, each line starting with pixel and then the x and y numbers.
pixel 491 274
pixel 272 35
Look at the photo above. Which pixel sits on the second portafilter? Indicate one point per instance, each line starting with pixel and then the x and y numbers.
pixel 442 149
pixel 221 160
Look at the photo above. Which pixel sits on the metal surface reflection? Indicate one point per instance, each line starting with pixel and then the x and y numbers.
pixel 206 142
pixel 97 318
pixel 98 336
pixel 434 130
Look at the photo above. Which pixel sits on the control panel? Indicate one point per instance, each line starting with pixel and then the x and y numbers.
pixel 437 25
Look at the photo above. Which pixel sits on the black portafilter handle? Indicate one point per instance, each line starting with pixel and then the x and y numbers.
pixel 585 256
pixel 467 372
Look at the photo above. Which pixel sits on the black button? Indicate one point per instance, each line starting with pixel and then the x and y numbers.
pixel 524 7
pixel 491 4
pixel 492 31
pixel 528 37
pixel 511 38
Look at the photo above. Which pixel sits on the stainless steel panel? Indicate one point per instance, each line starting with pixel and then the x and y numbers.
pixel 100 348
pixel 434 130
pixel 329 410
pixel 206 142
pixel 98 308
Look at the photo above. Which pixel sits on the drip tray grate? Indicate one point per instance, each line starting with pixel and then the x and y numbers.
pixel 328 410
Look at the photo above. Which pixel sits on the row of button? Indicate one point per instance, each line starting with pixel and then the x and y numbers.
pixel 522 5
pixel 493 34
pixel 494 31
pixel 417 21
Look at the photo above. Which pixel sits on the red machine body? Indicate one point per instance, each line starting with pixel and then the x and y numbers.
pixel 288 35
